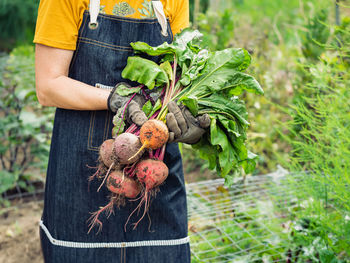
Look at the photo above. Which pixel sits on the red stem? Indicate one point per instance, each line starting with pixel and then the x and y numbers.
pixel 155 115
pixel 148 97
pixel 130 171
pixel 132 128
pixel 162 153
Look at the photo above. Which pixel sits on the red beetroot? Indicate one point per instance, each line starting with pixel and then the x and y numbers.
pixel 106 152
pixel 126 148
pixel 151 173
pixel 122 187
pixel 119 184
pixel 107 160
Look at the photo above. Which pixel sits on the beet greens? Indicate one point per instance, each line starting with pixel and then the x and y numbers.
pixel 205 82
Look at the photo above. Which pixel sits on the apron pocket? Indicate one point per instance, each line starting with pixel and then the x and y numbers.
pixel 99 129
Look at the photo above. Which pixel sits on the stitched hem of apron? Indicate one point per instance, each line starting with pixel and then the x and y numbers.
pixel 147 243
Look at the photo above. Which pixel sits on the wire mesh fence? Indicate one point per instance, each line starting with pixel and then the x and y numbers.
pixel 240 224
pixel 32 190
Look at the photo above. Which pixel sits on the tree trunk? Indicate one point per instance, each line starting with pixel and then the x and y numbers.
pixel 196 12
pixel 214 5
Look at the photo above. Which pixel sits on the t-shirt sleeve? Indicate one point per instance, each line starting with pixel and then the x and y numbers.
pixel 57 24
pixel 181 16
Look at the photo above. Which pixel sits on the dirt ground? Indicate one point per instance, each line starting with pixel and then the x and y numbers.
pixel 19 233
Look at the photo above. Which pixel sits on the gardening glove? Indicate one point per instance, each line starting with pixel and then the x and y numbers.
pixel 133 113
pixel 183 126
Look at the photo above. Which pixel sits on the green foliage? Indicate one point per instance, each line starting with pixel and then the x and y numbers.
pixel 203 7
pixel 17 22
pixel 209 83
pixel 316 36
pixel 24 125
pixel 319 136
pixel 145 72
pixel 218 29
pixel 310 243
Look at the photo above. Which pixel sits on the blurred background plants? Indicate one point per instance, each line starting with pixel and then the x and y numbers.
pixel 17 22
pixel 319 137
pixel 24 125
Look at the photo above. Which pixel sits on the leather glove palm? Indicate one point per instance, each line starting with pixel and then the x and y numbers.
pixel 134 113
pixel 183 126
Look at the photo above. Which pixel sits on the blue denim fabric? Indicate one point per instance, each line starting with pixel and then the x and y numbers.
pixel 100 56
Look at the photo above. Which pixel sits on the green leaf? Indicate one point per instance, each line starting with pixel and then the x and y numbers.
pixel 230 125
pixel 226 155
pixel 250 163
pixel 178 46
pixel 182 47
pixel 147 107
pixel 7 180
pixel 157 106
pixel 221 68
pixel 168 69
pixel 124 90
pixel 233 108
pixel 191 103
pixel 229 180
pixel 206 151
pixel 240 82
pixel 145 71
pixel 194 70
pixel 162 49
pixel 118 122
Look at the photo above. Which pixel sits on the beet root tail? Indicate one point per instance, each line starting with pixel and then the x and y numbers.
pixel 139 151
pixel 107 174
pixel 93 220
pixel 145 201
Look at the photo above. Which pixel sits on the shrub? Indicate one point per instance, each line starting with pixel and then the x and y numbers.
pixel 24 125
pixel 320 141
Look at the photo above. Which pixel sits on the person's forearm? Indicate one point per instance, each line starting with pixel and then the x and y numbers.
pixel 54 87
pixel 67 93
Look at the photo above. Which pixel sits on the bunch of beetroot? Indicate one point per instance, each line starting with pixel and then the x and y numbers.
pixel 131 165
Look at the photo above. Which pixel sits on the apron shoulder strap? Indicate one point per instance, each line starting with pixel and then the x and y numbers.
pixel 159 12
pixel 94 9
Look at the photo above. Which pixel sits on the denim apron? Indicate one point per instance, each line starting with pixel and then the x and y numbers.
pixel 100 56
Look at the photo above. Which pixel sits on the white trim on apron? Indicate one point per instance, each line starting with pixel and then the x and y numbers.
pixel 94 9
pixel 146 243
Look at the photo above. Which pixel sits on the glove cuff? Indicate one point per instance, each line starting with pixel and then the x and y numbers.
pixel 115 101
pixel 110 107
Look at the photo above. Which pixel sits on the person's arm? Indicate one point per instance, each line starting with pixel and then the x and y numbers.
pixel 55 88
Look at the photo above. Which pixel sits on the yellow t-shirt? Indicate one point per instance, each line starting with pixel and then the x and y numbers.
pixel 58 21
